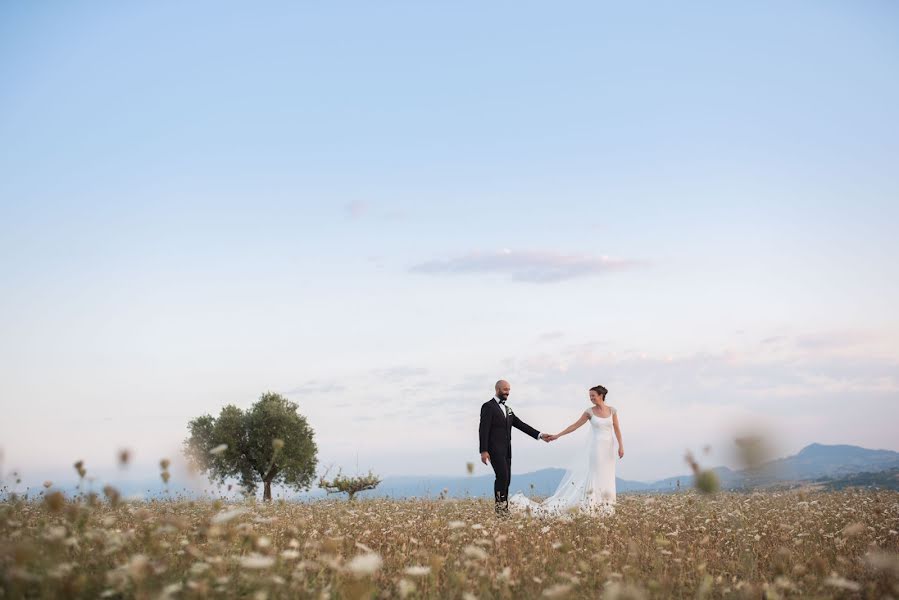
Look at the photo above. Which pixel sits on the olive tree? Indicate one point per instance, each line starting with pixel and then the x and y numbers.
pixel 270 442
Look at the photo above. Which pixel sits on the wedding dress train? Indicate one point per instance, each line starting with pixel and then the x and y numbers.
pixel 589 485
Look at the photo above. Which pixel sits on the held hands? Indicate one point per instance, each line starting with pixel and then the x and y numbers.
pixel 485 457
pixel 548 437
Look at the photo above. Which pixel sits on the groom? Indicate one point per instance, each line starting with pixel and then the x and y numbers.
pixel 495 430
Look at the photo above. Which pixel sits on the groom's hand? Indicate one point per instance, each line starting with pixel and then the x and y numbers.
pixel 546 437
pixel 485 457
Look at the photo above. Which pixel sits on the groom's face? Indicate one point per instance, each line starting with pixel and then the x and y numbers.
pixel 502 390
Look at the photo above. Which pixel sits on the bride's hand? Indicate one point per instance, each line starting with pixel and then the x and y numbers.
pixel 620 452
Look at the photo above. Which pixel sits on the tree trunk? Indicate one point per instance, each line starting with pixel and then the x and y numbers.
pixel 267 478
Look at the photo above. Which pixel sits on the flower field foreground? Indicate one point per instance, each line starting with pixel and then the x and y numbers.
pixel 771 544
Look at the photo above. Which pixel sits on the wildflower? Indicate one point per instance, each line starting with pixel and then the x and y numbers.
pixel 560 590
pixel 853 529
pixel 220 449
pixel 475 552
pixel 619 591
pixel 228 515
pixel 405 587
pixel 55 534
pixel 842 583
pixel 138 567
pixel 170 590
pixel 55 501
pixel 417 571
pixel 707 482
pixel 365 564
pixel 456 524
pixel 112 494
pixel 883 561
pixel 256 561
pixel 199 568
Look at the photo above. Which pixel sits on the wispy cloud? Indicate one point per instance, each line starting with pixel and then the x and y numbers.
pixel 317 387
pixel 400 372
pixel 834 339
pixel 528 266
pixel 550 336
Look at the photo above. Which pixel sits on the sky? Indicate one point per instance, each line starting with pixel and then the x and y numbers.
pixel 379 209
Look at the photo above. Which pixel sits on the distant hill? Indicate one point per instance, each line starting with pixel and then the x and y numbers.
pixel 837 464
pixel 537 483
pixel 812 462
pixel 830 466
pixel 819 460
pixel 887 480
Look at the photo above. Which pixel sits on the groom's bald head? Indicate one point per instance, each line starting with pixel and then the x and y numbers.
pixel 502 388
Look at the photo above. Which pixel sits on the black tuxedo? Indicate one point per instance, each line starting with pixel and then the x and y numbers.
pixel 495 432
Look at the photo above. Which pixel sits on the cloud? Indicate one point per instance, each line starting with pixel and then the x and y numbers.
pixel 550 336
pixel 528 266
pixel 317 387
pixel 400 372
pixel 834 339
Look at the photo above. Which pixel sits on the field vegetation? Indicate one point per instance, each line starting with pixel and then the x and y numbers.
pixel 686 545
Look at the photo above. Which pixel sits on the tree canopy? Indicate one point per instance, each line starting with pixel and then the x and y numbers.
pixel 270 442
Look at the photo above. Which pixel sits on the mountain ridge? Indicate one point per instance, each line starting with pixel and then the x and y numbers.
pixel 833 465
pixel 814 461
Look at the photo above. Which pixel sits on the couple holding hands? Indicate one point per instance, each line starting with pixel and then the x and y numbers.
pixel 589 483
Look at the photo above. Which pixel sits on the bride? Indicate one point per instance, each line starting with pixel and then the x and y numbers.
pixel 589 486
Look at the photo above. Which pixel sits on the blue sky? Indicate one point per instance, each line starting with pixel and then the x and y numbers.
pixel 381 209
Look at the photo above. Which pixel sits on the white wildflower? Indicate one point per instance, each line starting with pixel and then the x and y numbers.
pixel 842 583
pixel 364 564
pixel 227 515
pixel 560 590
pixel 256 561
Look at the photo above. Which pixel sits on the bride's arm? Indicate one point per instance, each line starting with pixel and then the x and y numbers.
pixel 618 435
pixel 573 426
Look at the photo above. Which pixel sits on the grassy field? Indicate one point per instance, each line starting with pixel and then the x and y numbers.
pixel 812 544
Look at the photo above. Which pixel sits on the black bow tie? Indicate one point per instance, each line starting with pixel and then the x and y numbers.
pixel 501 400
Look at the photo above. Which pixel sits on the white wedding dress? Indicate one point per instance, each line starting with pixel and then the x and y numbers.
pixel 589 485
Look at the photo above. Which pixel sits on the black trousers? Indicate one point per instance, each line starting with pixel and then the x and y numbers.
pixel 502 466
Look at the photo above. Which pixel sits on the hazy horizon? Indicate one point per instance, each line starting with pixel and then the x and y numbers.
pixel 380 211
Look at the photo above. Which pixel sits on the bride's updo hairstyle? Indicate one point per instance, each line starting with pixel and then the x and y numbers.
pixel 600 390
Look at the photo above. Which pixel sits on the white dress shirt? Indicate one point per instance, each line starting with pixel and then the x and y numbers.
pixel 495 399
